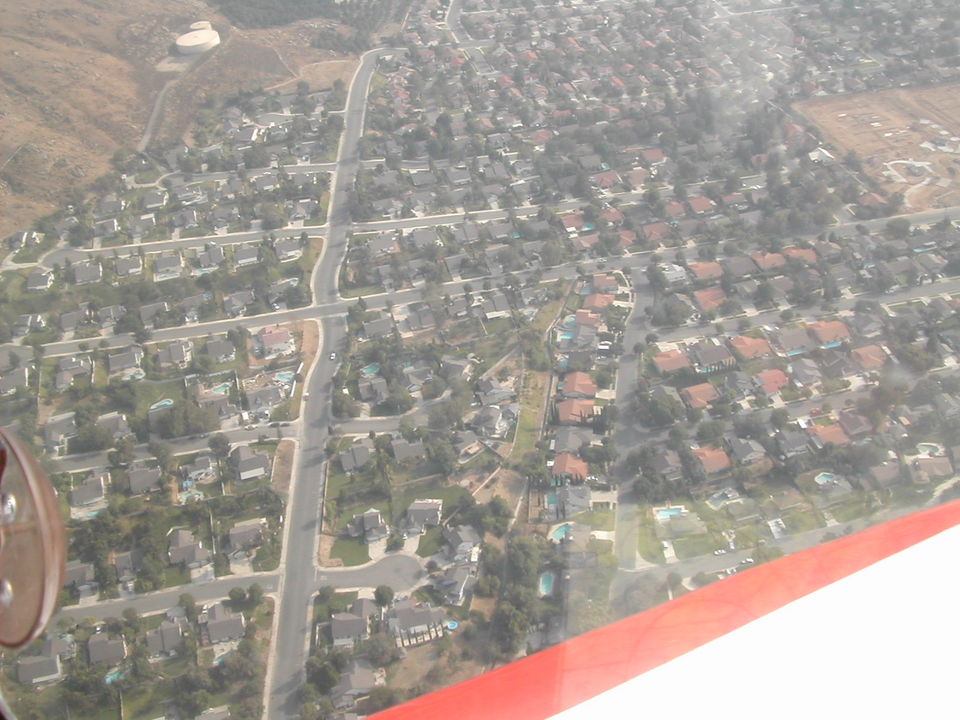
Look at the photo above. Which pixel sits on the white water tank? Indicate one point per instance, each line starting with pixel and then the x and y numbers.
pixel 202 37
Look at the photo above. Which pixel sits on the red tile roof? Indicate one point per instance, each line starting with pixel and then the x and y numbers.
pixel 710 298
pixel 580 383
pixel 830 331
pixel 574 411
pixel 869 357
pixel 712 460
pixel 670 361
pixel 706 270
pixel 750 347
pixel 569 464
pixel 832 433
pixel 699 396
pixel 772 380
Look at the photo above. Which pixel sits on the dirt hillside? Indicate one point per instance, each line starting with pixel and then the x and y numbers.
pixel 78 79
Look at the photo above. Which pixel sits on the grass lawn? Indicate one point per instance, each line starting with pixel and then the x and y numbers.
pixel 694 545
pixel 528 426
pixel 352 552
pixel 436 488
pixel 430 542
pixel 798 521
pixel 750 535
pixel 850 509
pixel 596 519
pixel 340 602
pixel 175 575
pixel 648 544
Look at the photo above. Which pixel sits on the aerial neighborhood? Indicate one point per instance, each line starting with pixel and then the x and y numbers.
pixel 599 304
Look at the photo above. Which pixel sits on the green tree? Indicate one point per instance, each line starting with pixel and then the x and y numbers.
pixel 383 595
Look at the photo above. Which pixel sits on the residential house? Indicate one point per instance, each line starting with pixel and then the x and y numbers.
pixel 575 411
pixel 829 333
pixel 143 479
pixel 578 385
pixel 165 640
pixel 749 348
pixel 357 455
pixel 666 464
pixel 114 423
pixel 129 266
pixel 127 565
pixel 568 467
pixel 248 464
pixel 870 358
pixel 85 273
pixel 791 342
pixel 823 435
pixel 700 396
pixel 80 577
pixel 414 624
pixel 39 281
pixel 771 381
pixel 58 431
pixel 245 535
pixel 201 469
pixel 712 461
pixel 149 312
pixel 356 682
pixel 456 584
pixel 746 451
pixel 219 624
pixel 101 648
pixel 792 444
pixel 237 303
pixel 711 356
pixel 287 249
pixel 40 668
pixel 92 490
pixel 186 550
pixel 671 361
pixel 805 373
pixel 128 359
pixel 423 514
pixel 924 470
pixel 178 353
pixel 275 341
pixel 13 380
pixel 167 267
pixel 463 542
pixel 404 450
pixel 221 351
pixel 370 526
pixel 347 629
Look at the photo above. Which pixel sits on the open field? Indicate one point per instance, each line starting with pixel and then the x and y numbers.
pixel 889 129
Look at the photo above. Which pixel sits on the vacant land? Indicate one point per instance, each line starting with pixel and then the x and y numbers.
pixel 79 80
pixel 908 139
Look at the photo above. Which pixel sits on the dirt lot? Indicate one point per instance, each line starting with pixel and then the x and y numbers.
pixel 888 128
pixel 283 466
pixel 427 668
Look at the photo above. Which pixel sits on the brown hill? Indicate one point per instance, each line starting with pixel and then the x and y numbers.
pixel 78 80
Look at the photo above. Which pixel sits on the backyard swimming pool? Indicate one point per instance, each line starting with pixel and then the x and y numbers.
pixel 221 389
pixel 669 512
pixel 560 532
pixel 166 402
pixel 824 478
pixel 285 376
pixel 546 583
pixel 931 449
pixel 370 370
